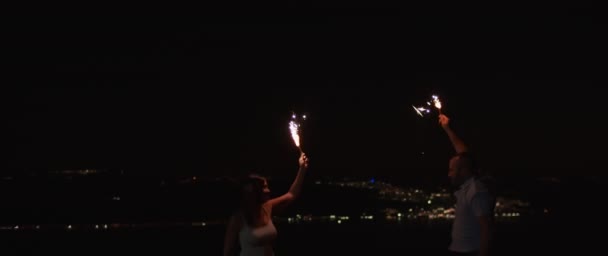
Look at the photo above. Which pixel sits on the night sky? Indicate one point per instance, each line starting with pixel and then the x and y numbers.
pixel 212 94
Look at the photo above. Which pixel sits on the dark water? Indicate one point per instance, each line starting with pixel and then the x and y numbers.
pixel 576 223
pixel 517 238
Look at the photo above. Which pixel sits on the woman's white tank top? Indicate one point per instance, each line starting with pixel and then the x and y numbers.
pixel 257 241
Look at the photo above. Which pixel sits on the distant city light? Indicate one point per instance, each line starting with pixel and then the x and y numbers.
pixel 438 208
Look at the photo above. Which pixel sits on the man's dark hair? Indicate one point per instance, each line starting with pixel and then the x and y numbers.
pixel 469 161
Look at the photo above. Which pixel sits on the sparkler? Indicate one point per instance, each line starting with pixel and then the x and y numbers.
pixel 421 110
pixel 435 102
pixel 294 128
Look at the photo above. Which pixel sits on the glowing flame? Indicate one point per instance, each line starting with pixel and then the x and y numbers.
pixel 436 102
pixel 421 110
pixel 294 128
pixel 417 111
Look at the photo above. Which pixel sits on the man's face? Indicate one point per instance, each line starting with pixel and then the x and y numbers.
pixel 456 172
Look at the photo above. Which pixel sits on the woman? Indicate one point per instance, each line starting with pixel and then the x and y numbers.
pixel 252 224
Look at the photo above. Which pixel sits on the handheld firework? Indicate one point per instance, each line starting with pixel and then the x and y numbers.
pixel 295 129
pixel 435 102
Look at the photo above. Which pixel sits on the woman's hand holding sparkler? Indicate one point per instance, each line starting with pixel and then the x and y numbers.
pixel 303 161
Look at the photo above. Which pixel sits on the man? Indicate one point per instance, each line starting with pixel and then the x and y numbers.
pixel 472 227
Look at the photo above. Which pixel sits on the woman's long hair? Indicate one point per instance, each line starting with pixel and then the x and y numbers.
pixel 257 185
pixel 237 194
